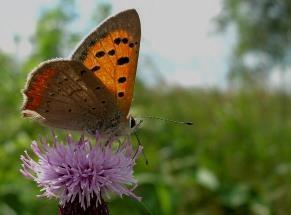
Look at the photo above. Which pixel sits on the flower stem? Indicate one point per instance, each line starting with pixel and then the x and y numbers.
pixel 74 208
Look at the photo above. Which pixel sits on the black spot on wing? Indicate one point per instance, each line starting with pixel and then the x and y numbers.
pixel 125 40
pixel 117 41
pixel 122 61
pixel 100 54
pixel 95 68
pixel 121 80
pixel 111 52
pixel 120 94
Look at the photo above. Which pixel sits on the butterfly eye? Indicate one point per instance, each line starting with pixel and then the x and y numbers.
pixel 132 122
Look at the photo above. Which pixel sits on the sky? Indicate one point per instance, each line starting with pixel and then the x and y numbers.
pixel 179 36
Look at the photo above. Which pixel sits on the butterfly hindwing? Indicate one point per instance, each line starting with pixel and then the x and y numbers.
pixel 111 53
pixel 65 94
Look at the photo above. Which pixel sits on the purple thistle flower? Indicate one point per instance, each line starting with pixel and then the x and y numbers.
pixel 80 171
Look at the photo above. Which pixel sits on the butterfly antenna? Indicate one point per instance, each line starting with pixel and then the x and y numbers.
pixel 139 145
pixel 167 120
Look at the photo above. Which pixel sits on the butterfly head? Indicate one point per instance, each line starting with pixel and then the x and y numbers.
pixel 133 124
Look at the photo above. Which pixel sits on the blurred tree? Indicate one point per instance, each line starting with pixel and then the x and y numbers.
pixel 52 37
pixel 264 42
pixel 264 36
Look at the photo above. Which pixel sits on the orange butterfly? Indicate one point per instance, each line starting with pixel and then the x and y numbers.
pixel 93 89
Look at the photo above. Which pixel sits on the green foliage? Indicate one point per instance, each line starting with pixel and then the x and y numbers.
pixel 51 38
pixel 235 159
pixel 229 161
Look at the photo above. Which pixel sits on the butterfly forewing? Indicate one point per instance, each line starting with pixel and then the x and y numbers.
pixel 111 53
pixel 93 90
pixel 65 94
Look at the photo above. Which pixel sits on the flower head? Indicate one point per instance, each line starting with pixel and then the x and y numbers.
pixel 81 170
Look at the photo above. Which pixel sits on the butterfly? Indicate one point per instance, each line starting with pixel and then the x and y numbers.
pixel 93 89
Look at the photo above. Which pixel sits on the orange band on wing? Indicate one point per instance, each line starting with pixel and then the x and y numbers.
pixel 36 88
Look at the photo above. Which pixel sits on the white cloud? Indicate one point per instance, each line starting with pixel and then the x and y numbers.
pixel 19 18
